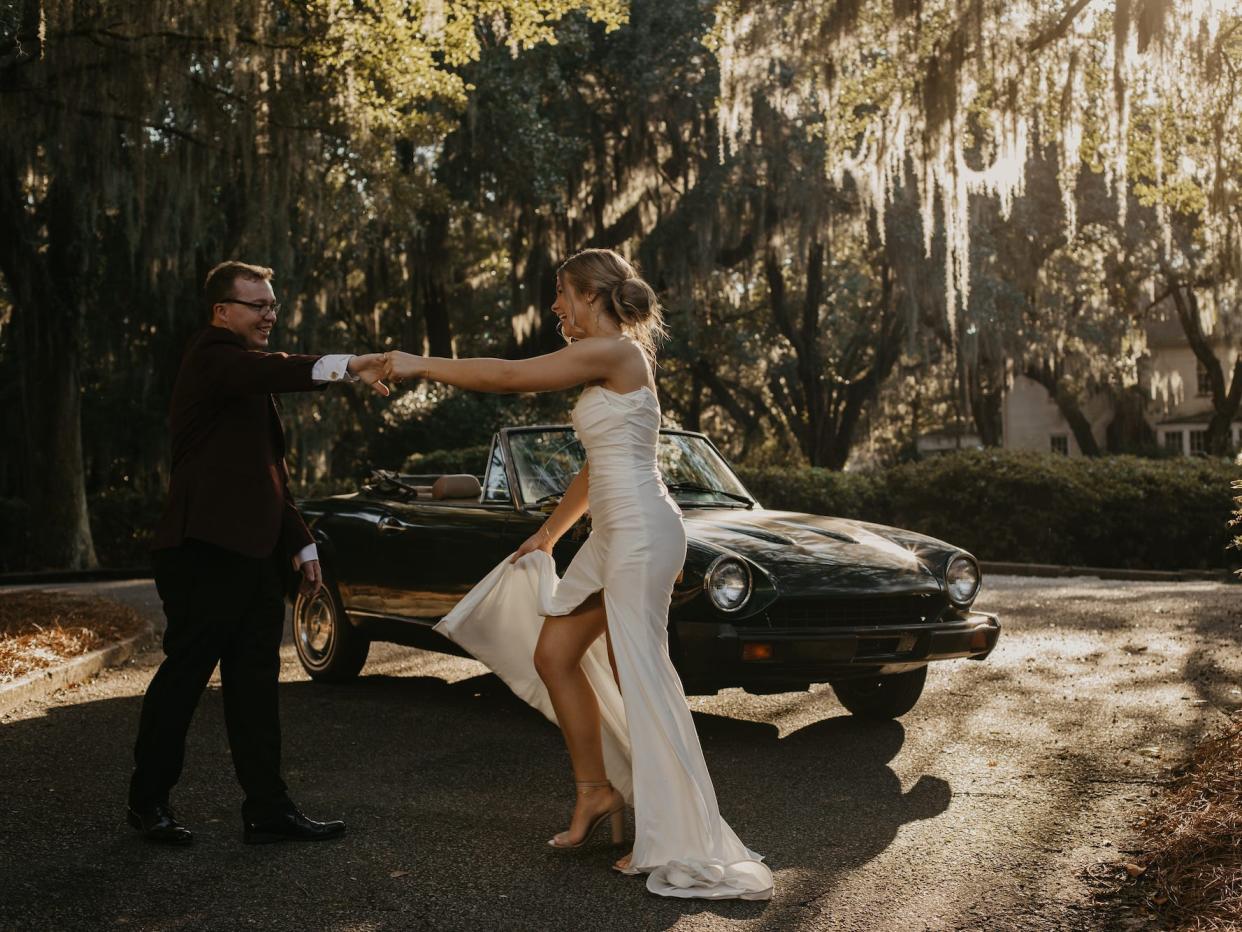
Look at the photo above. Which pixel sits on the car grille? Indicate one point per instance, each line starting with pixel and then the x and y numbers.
pixel 848 613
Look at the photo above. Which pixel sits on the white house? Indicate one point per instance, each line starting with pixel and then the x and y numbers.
pixel 1175 383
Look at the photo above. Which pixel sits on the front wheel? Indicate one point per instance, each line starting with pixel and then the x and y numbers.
pixel 330 648
pixel 881 697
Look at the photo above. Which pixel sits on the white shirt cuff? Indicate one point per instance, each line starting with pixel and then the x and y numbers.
pixel 333 369
pixel 305 555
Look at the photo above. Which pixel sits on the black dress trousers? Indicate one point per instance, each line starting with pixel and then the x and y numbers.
pixel 226 608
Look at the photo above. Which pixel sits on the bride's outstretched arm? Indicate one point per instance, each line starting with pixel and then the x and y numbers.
pixel 580 362
pixel 572 506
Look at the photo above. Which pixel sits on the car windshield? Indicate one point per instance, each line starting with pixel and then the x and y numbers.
pixel 546 461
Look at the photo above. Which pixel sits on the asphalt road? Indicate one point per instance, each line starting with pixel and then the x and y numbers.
pixel 979 810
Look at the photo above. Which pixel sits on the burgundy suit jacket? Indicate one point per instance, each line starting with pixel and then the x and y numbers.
pixel 230 484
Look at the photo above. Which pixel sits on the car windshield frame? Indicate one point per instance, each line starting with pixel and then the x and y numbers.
pixel 526 495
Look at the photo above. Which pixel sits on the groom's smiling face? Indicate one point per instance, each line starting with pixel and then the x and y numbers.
pixel 253 324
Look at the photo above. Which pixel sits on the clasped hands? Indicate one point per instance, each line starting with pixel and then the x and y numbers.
pixel 377 369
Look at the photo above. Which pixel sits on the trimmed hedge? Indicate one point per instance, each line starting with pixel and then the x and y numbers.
pixel 1116 511
pixel 472 460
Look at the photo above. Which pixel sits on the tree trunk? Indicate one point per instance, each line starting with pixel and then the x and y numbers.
pixel 823 413
pixel 704 375
pixel 986 401
pixel 1069 406
pixel 1225 404
pixel 534 288
pixel 46 333
pixel 429 265
pixel 1129 432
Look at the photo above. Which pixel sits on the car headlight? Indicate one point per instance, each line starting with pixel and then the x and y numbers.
pixel 961 579
pixel 727 582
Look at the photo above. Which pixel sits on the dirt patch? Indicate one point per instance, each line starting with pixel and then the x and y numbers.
pixel 41 629
pixel 1187 870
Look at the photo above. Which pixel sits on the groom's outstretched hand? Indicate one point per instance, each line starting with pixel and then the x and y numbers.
pixel 372 369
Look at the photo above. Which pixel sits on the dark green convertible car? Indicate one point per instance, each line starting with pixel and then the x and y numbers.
pixel 767 600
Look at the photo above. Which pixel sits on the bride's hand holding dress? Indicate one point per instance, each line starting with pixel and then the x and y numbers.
pixel 540 540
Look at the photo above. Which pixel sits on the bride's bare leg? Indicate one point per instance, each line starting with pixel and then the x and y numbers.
pixel 563 641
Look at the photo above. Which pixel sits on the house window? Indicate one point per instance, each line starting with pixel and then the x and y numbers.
pixel 1198 441
pixel 1060 444
pixel 1202 379
pixel 1173 441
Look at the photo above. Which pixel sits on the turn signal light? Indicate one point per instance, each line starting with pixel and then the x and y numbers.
pixel 979 639
pixel 757 651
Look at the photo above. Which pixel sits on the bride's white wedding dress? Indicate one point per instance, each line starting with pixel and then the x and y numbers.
pixel 651 750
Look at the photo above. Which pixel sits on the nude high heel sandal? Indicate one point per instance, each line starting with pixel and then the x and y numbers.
pixel 615 816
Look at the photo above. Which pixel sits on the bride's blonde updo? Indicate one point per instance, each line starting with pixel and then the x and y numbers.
pixel 625 295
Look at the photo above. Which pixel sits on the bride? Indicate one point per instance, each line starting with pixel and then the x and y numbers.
pixel 617 698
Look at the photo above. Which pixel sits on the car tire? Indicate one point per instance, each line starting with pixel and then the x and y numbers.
pixel 881 697
pixel 330 648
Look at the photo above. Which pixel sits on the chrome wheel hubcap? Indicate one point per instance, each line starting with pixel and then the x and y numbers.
pixel 315 629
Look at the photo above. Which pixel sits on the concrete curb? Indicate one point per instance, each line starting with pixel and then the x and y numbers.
pixel 42 577
pixel 1050 569
pixel 43 683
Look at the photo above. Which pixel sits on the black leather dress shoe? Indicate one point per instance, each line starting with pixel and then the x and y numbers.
pixel 289 825
pixel 157 823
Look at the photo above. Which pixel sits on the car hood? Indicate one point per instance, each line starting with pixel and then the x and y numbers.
pixel 816 555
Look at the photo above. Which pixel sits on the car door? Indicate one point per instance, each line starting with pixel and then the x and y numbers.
pixel 433 552
pixel 429 553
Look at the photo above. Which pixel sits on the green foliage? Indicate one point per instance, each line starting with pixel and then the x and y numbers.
pixel 142 143
pixel 860 495
pixel 415 171
pixel 1119 511
pixel 1024 507
pixel 472 460
pixel 458 419
pixel 389 67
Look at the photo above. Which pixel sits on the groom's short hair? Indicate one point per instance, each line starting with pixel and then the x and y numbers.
pixel 220 280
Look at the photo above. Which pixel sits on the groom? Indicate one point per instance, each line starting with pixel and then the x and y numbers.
pixel 226 550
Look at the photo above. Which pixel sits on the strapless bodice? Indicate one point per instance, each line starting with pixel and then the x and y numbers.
pixel 612 424
pixel 619 433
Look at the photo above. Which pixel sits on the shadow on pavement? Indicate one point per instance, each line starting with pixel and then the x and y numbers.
pixel 449 789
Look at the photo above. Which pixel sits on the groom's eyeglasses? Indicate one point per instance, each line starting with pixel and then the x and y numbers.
pixel 261 306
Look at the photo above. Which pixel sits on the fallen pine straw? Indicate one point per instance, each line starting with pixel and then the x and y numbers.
pixel 1190 874
pixel 40 629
